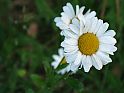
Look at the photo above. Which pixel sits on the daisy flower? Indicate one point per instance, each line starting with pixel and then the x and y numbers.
pixel 89 45
pixel 60 59
pixel 69 16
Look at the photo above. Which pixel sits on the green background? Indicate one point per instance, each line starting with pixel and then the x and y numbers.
pixel 25 60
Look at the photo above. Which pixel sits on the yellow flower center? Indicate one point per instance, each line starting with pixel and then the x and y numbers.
pixel 88 43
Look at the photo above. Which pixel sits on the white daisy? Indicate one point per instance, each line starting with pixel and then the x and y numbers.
pixel 89 45
pixel 60 59
pixel 69 16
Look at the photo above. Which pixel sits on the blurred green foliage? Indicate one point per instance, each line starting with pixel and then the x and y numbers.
pixel 25 59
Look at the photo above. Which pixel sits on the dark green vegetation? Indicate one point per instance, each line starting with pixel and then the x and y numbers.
pixel 25 57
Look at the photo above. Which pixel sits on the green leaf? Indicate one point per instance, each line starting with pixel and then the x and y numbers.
pixel 75 84
pixel 44 9
pixel 29 91
pixel 21 72
pixel 37 80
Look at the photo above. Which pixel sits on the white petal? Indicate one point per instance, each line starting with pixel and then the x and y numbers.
pixel 61 33
pixel 56 57
pixel 76 22
pixel 82 9
pixel 90 25
pixel 111 53
pixel 80 14
pixel 65 18
pixel 90 15
pixel 102 29
pixel 74 67
pixel 63 44
pixel 107 48
pixel 97 63
pixel 110 33
pixel 70 48
pixel 68 11
pixel 87 12
pixel 77 9
pixel 61 25
pixel 94 24
pixel 105 62
pixel 81 17
pixel 68 33
pixel 71 41
pixel 87 64
pixel 72 9
pixel 87 26
pixel 107 40
pixel 57 19
pixel 55 64
pixel 83 60
pixel 81 27
pixel 61 52
pixel 78 59
pixel 104 57
pixel 71 53
pixel 74 29
pixel 70 57
pixel 99 23
pixel 68 67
